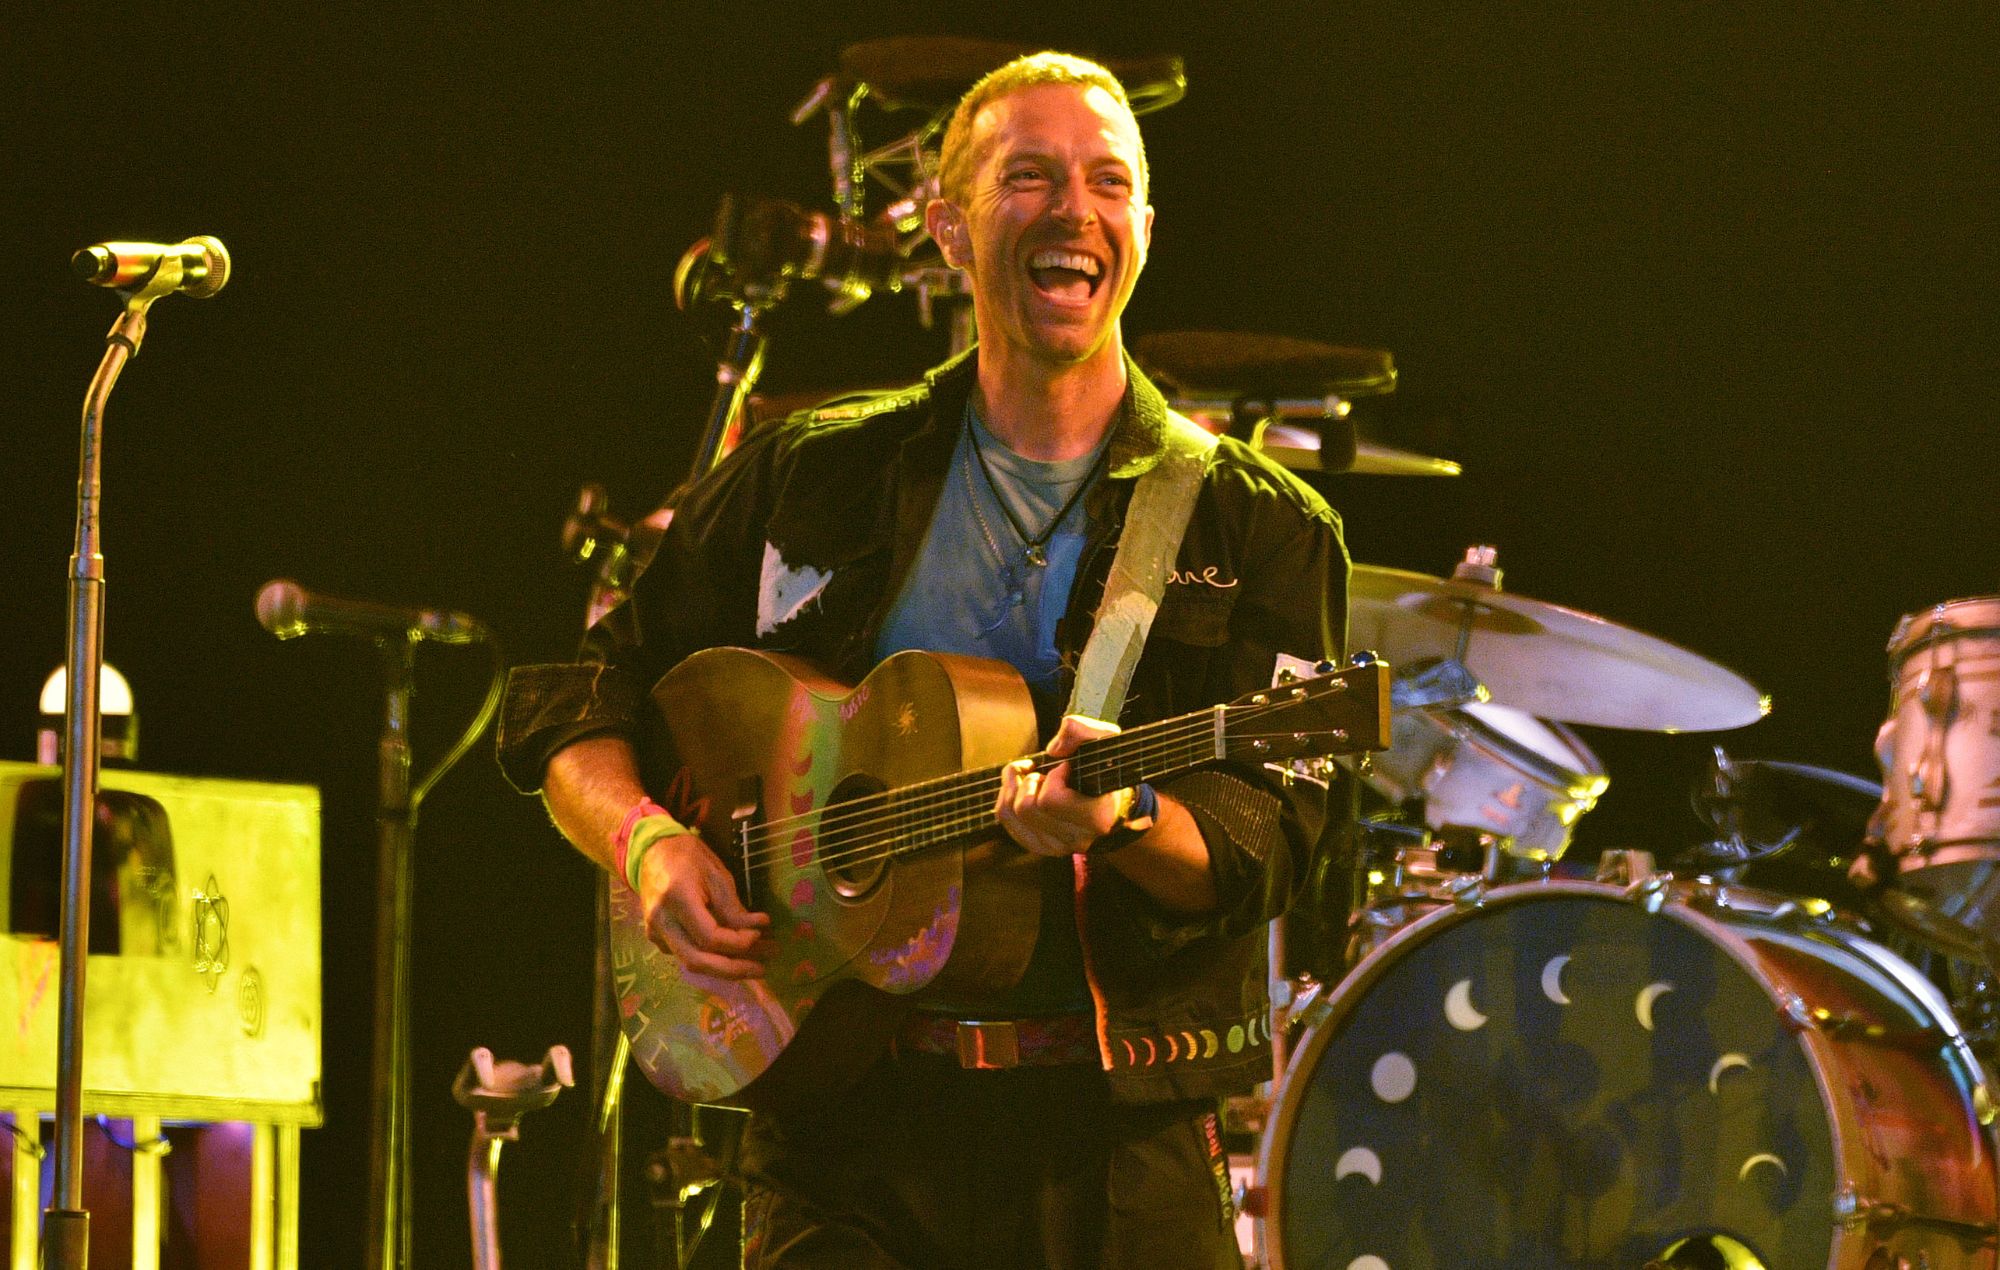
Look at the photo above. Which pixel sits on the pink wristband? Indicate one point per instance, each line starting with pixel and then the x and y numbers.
pixel 621 842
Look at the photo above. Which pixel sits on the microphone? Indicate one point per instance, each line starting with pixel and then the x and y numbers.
pixel 288 611
pixel 204 264
pixel 771 239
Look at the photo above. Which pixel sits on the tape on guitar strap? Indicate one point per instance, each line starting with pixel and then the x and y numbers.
pixel 1155 522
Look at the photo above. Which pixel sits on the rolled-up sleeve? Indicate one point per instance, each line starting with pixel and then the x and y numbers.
pixel 552 705
pixel 698 591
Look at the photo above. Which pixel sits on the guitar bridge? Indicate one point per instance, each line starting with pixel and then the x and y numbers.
pixel 749 796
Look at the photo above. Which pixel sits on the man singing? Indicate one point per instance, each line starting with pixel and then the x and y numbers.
pixel 979 513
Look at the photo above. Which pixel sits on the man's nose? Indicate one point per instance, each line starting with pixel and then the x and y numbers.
pixel 1071 203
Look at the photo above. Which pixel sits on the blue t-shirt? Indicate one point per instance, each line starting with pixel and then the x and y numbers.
pixel 972 591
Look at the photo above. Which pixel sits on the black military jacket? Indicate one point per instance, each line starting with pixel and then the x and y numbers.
pixel 798 543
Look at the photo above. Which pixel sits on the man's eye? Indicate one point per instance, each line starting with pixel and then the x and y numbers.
pixel 1025 174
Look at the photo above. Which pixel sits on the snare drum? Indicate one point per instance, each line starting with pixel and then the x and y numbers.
pixel 1581 1075
pixel 1491 768
pixel 1940 754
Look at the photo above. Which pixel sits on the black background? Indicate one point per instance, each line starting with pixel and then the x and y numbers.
pixel 1703 297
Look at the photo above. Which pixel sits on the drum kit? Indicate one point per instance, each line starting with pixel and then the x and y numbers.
pixel 1780 1053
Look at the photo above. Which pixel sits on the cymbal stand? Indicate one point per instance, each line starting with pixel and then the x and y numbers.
pixel 66 1223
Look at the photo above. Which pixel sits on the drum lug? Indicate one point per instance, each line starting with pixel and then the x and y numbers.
pixel 1803 1017
pixel 1626 868
pixel 1467 892
pixel 1854 1210
pixel 1633 870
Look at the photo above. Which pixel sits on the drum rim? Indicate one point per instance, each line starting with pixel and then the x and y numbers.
pixel 1339 1001
pixel 1927 626
pixel 1469 729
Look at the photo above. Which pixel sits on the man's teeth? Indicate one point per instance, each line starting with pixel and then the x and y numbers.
pixel 1072 260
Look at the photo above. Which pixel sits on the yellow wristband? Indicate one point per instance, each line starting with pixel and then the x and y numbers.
pixel 649 832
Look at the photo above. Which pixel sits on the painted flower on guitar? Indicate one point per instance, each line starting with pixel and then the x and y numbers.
pixel 919 959
pixel 722 1022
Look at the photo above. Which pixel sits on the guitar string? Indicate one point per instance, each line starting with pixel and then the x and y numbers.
pixel 1090 764
pixel 980 786
pixel 1149 744
pixel 1172 731
pixel 976 790
pixel 968 811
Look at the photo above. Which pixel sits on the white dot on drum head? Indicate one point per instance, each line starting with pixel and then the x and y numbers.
pixel 1369 1262
pixel 1394 1077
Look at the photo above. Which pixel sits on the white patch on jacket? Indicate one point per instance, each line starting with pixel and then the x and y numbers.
pixel 783 592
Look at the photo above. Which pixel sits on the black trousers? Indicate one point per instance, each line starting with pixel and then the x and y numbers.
pixel 928 1166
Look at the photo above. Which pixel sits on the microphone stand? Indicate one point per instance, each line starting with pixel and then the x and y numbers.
pixel 66 1223
pixel 396 826
pixel 389 1077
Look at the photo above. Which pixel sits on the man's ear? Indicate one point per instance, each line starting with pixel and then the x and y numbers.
pixel 947 229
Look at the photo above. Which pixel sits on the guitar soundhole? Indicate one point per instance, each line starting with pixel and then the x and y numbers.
pixel 855 840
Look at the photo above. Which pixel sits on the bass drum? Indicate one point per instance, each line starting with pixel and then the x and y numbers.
pixel 1569 1075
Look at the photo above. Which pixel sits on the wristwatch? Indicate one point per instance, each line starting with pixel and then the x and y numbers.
pixel 1140 815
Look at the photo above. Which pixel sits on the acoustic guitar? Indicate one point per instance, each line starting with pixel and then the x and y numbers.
pixel 862 821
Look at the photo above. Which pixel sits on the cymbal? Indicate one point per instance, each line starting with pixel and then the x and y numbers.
pixel 1550 661
pixel 1243 364
pixel 1298 448
pixel 931 72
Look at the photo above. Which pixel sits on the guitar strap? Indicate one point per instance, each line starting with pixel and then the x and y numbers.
pixel 1155 522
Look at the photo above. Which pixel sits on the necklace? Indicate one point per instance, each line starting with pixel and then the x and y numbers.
pixel 1034 550
pixel 1010 576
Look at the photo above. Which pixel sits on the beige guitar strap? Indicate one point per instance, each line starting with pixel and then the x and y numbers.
pixel 1155 522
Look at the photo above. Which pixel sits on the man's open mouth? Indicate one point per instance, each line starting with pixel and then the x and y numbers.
pixel 1065 275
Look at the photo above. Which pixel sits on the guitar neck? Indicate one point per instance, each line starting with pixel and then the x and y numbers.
pixel 960 807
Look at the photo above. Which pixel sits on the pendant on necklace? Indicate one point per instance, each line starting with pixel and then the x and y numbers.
pixel 1034 555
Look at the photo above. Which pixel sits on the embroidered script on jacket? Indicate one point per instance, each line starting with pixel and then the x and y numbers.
pixel 1203 577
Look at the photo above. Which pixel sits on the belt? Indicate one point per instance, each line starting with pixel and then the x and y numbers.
pixel 1046 1041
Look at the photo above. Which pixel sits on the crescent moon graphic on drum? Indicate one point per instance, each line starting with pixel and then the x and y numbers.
pixel 1459 1010
pixel 1359 1160
pixel 1643 1007
pixel 1552 982
pixel 1723 1064
pixel 1762 1157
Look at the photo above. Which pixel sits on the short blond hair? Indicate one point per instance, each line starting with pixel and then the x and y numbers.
pixel 956 158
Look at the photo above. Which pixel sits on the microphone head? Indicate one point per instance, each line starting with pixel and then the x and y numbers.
pixel 209 277
pixel 281 606
pixel 94 265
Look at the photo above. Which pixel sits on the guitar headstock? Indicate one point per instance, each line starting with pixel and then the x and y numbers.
pixel 1310 711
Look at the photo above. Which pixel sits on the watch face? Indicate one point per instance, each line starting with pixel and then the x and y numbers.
pixel 1565 1081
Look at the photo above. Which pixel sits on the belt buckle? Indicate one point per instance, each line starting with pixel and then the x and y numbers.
pixel 988 1046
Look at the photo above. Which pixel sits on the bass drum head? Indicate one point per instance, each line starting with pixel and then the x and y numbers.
pixel 1561 1077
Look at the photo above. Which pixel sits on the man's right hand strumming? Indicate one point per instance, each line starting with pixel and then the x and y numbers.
pixel 693 912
